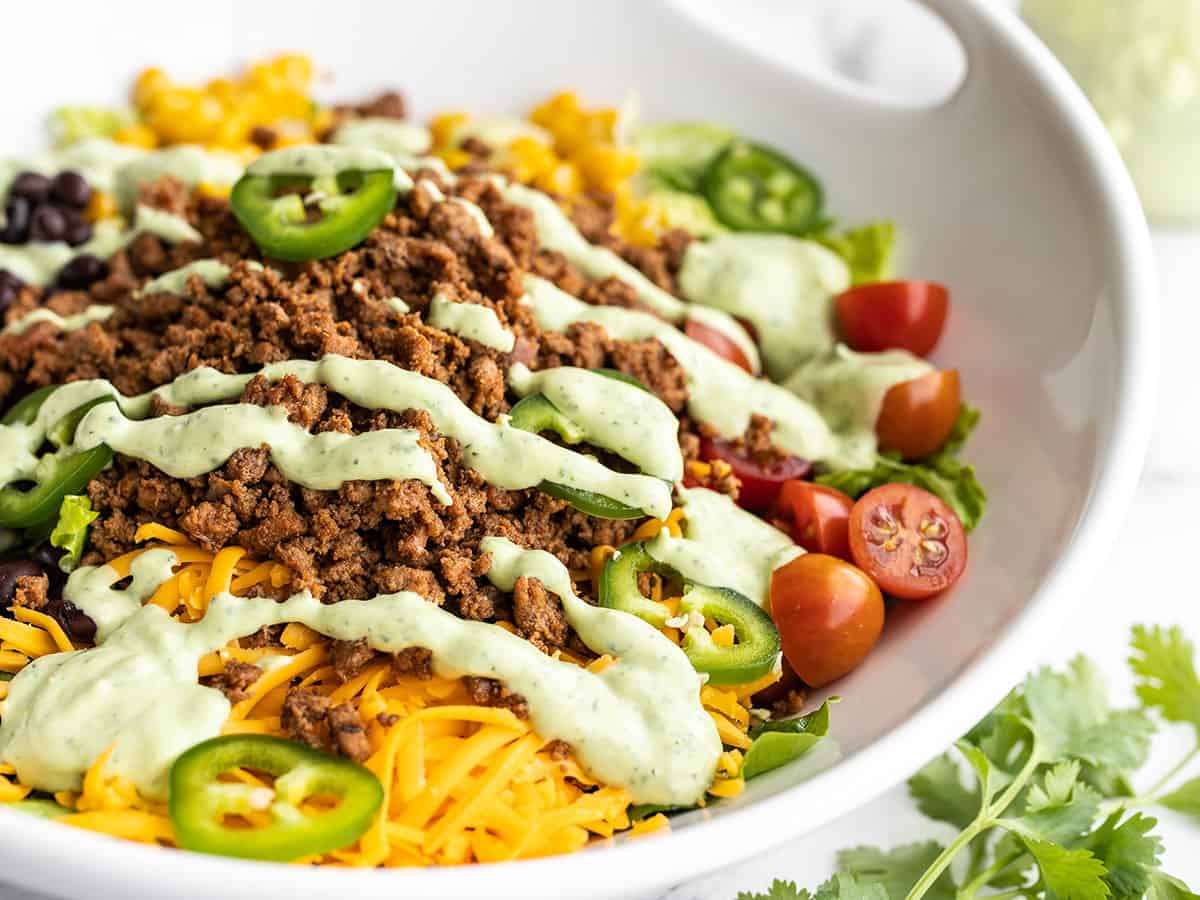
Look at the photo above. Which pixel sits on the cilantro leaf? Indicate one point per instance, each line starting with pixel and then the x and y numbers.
pixel 779 890
pixel 867 250
pixel 1166 887
pixel 943 474
pixel 1072 717
pixel 847 887
pixel 897 870
pixel 1129 852
pixel 939 793
pixel 1185 798
pixel 1068 874
pixel 1059 808
pixel 1165 665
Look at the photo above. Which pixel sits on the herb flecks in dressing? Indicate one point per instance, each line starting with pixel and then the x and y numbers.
pixel 137 691
pixel 848 387
pixel 719 392
pixel 470 320
pixel 631 422
pixel 97 312
pixel 505 456
pixel 724 546
pixel 211 272
pixel 556 232
pixel 783 285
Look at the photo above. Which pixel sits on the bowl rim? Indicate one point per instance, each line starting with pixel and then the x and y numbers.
pixel 855 779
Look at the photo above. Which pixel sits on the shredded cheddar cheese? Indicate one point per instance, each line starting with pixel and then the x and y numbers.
pixel 462 783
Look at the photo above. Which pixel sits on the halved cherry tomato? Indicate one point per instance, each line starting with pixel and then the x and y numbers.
pixel 893 315
pixel 829 615
pixel 716 342
pixel 818 517
pixel 918 415
pixel 908 540
pixel 759 485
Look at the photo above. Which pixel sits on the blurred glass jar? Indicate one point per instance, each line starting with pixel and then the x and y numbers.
pixel 1139 62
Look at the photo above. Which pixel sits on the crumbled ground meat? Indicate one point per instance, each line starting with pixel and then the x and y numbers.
pixel 413 662
pixel 489 692
pixel 314 719
pixel 32 591
pixel 366 537
pixel 236 680
pixel 789 705
pixel 349 658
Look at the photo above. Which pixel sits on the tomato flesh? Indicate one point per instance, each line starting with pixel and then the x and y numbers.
pixel 817 517
pixel 918 415
pixel 760 485
pixel 829 615
pixel 893 315
pixel 908 540
pixel 718 343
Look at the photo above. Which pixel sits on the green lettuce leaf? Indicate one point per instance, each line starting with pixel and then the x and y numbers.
pixel 867 250
pixel 675 154
pixel 70 533
pixel 778 743
pixel 943 474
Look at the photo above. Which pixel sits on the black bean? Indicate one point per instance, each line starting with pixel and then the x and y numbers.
pixel 33 186
pixel 10 287
pixel 48 223
pixel 49 557
pixel 77 624
pixel 10 571
pixel 81 272
pixel 16 221
pixel 78 232
pixel 71 188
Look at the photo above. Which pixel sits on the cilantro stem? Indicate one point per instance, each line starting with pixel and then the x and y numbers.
pixel 971 888
pixel 1151 795
pixel 985 820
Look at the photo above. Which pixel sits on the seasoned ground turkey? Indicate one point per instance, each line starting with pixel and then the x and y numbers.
pixel 367 537
pixel 315 720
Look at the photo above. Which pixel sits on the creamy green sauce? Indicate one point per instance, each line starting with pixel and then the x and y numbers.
pixel 848 388
pixel 319 161
pixel 556 232
pixel 470 320
pixel 201 441
pixel 97 312
pixel 720 393
pixel 639 724
pixel 97 159
pixel 724 546
pixel 399 139
pixel 190 164
pixel 213 273
pixel 631 422
pixel 39 263
pixel 783 285
pixel 398 305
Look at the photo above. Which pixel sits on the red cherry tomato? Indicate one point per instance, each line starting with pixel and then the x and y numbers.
pixel 908 540
pixel 829 615
pixel 817 516
pixel 759 484
pixel 918 415
pixel 718 343
pixel 893 315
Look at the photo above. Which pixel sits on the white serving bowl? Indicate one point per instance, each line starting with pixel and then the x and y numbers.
pixel 1010 192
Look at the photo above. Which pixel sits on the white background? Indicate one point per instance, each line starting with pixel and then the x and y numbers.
pixel 1148 577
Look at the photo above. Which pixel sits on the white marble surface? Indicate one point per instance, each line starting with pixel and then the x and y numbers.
pixel 1143 581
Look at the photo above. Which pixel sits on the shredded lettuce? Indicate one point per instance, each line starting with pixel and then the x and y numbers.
pixel 943 474
pixel 69 124
pixel 70 533
pixel 867 250
pixel 675 154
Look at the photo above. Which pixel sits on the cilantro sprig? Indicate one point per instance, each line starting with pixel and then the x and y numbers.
pixel 1041 793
